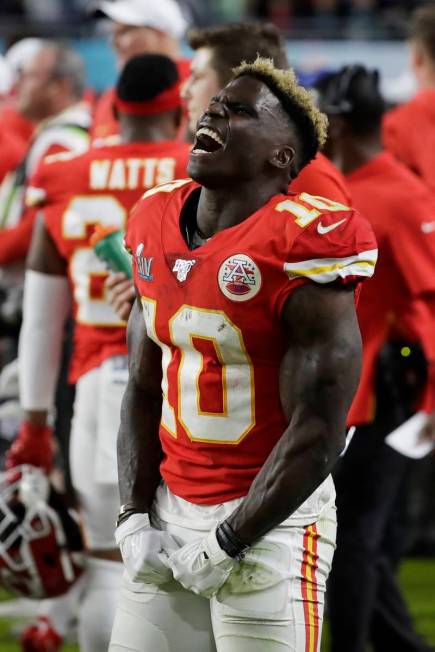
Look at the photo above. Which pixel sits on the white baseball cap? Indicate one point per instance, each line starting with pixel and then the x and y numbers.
pixel 21 51
pixel 163 15
pixel 6 77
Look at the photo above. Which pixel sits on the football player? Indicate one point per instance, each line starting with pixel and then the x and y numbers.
pixel 217 51
pixel 398 305
pixel 49 91
pixel 75 195
pixel 138 27
pixel 244 356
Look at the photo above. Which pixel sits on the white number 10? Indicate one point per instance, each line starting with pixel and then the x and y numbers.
pixel 229 361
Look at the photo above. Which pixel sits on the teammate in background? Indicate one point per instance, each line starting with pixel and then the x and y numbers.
pixel 138 27
pixel 74 195
pixel 218 50
pixel 12 121
pixel 11 145
pixel 244 357
pixel 396 306
pixel 409 130
pixel 49 92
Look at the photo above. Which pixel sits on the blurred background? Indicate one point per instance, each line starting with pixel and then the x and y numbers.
pixel 323 33
pixel 321 36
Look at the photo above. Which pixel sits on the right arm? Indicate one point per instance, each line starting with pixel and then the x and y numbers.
pixel 46 306
pixel 139 449
pixel 144 549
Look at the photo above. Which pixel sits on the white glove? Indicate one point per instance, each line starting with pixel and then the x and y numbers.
pixel 145 549
pixel 202 567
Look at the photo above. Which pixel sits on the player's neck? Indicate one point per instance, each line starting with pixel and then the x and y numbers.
pixel 137 132
pixel 356 153
pixel 221 209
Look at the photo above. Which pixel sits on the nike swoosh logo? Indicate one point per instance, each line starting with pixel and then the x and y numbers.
pixel 326 229
pixel 428 227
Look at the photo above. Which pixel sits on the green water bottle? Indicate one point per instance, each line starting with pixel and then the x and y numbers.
pixel 108 244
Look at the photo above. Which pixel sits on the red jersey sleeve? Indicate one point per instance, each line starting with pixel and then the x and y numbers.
pixel 47 182
pixel 36 192
pixel 321 177
pixel 334 248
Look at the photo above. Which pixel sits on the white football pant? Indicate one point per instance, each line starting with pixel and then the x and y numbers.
pixel 273 602
pixel 94 476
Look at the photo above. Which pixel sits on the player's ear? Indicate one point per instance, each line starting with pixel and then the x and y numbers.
pixel 282 157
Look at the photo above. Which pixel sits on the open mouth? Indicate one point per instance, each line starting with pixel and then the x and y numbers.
pixel 207 141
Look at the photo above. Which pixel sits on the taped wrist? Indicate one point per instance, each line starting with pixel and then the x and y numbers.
pixel 230 542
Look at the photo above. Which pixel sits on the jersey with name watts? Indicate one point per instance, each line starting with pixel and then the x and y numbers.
pixel 215 311
pixel 77 193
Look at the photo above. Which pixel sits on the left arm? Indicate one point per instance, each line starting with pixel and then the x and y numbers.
pixel 318 378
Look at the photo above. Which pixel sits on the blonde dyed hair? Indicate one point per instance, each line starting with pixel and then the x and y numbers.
pixel 297 102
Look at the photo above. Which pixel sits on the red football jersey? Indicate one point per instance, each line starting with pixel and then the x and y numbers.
pixel 322 177
pixel 409 133
pixel 98 187
pixel 401 211
pixel 15 124
pixel 216 314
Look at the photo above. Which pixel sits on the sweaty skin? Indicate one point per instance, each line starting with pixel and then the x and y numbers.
pixel 139 449
pixel 320 369
pixel 318 378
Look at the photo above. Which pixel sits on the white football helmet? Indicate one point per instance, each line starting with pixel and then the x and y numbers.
pixel 40 540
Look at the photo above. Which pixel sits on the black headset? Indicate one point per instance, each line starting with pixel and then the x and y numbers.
pixel 335 99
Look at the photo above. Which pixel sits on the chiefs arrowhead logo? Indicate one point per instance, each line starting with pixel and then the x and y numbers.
pixel 239 278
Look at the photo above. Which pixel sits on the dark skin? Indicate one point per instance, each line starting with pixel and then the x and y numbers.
pixel 320 370
pixel 44 257
pixel 122 291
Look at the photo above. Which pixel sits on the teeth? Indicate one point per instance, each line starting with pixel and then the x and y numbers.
pixel 211 134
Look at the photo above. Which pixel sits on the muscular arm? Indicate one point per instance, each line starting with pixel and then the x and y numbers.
pixel 139 449
pixel 318 378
